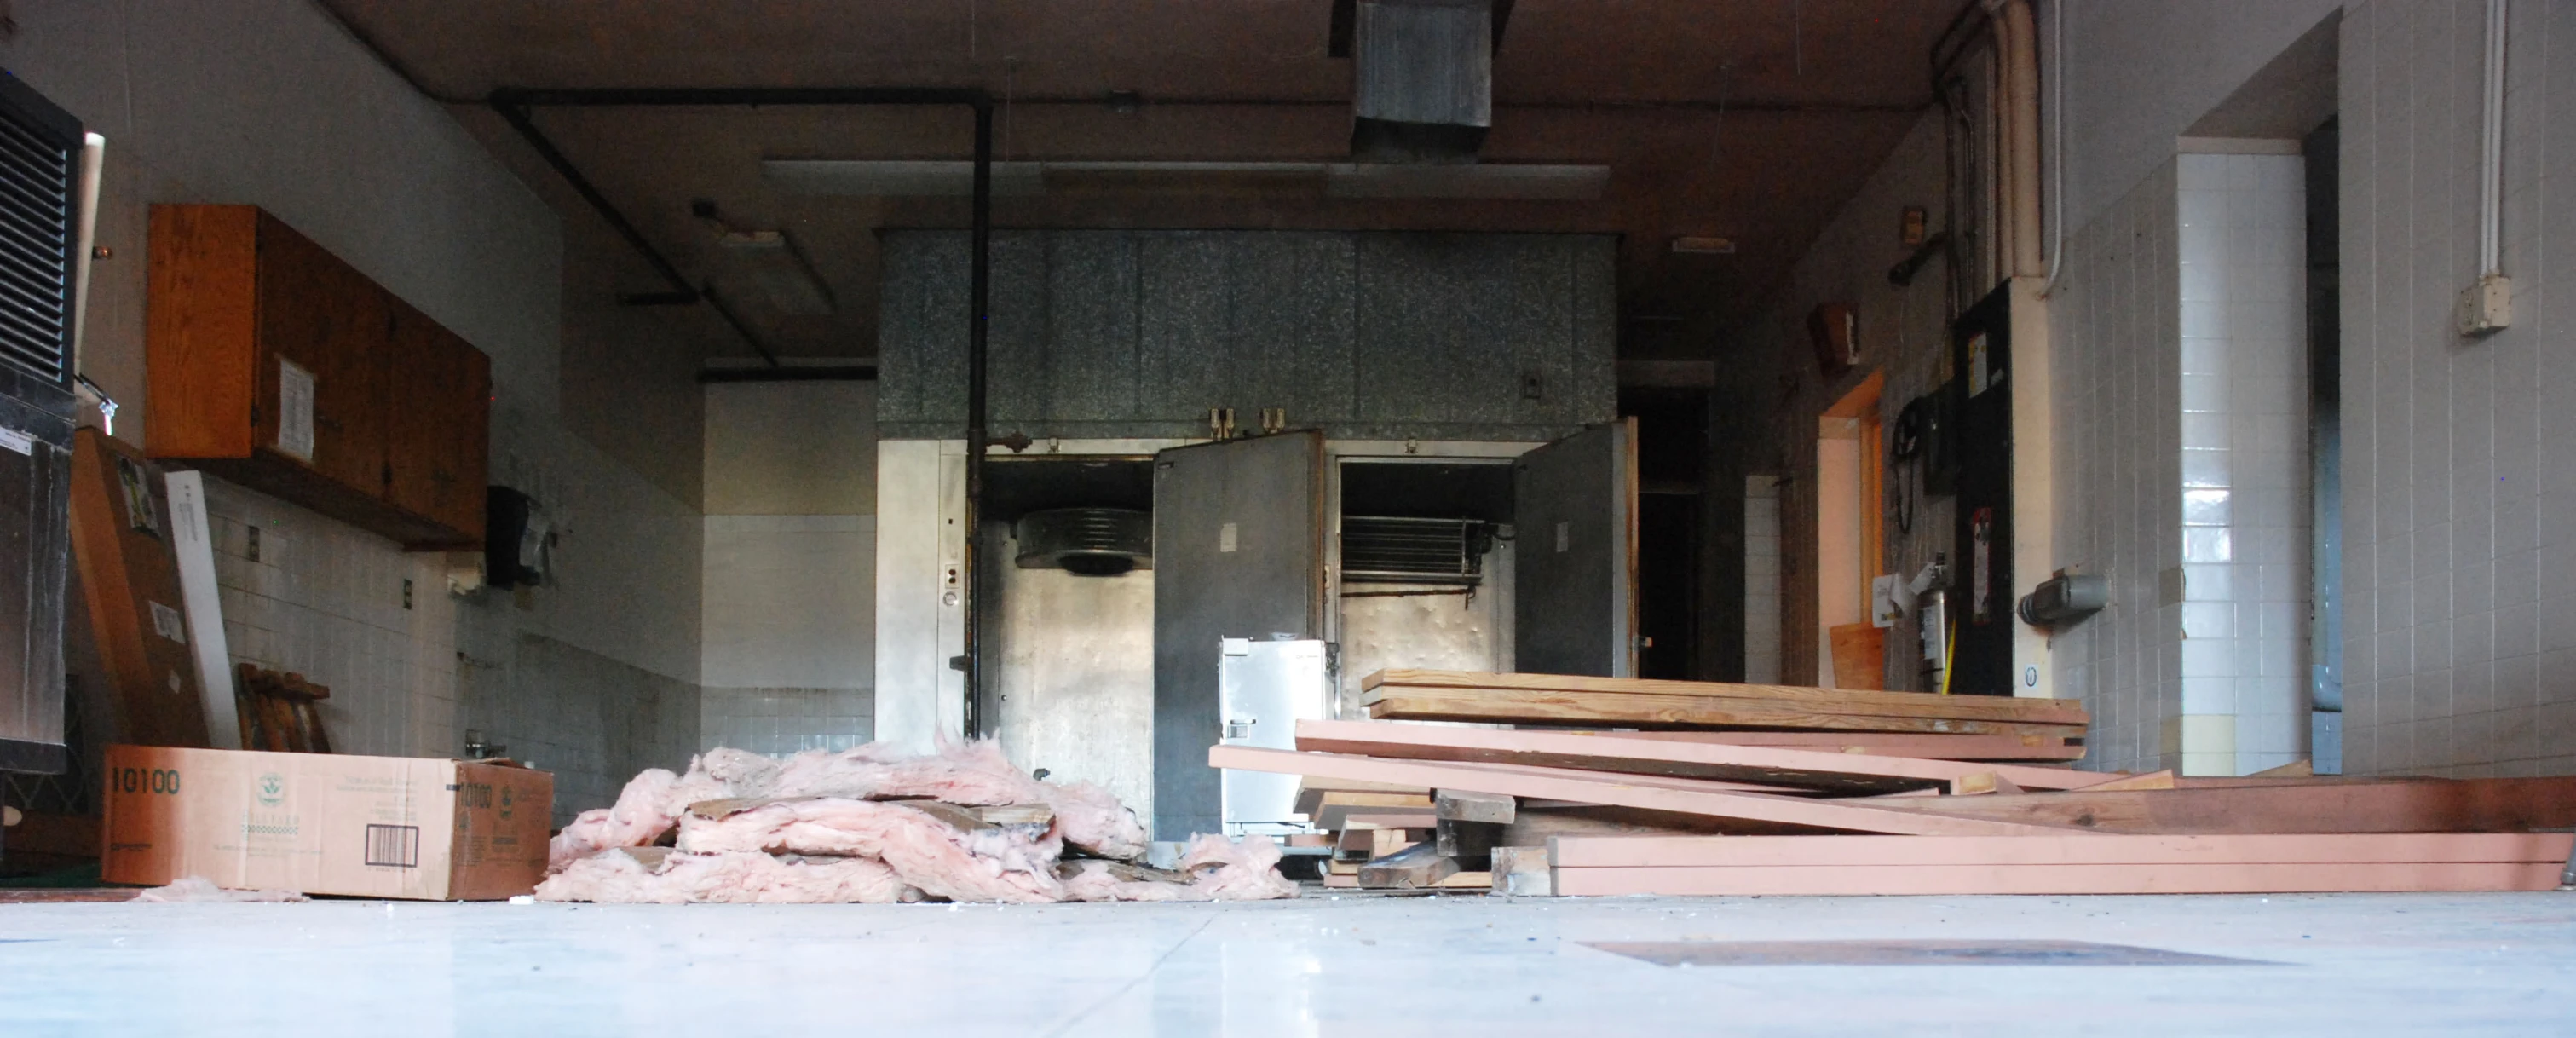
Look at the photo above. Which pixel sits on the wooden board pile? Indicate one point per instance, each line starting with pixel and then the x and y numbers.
pixel 1840 792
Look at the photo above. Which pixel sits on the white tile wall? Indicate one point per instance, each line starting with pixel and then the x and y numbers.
pixel 2245 517
pixel 2117 320
pixel 788 627
pixel 2460 455
pixel 325 600
pixel 1762 579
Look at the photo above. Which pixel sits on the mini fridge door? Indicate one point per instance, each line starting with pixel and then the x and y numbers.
pixel 1263 689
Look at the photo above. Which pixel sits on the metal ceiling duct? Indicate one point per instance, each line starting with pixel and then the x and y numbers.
pixel 1090 542
pixel 1422 79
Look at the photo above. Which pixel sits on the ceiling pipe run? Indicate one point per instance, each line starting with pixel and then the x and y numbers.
pixel 515 105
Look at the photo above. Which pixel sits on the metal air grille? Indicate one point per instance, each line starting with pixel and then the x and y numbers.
pixel 37 203
pixel 1388 549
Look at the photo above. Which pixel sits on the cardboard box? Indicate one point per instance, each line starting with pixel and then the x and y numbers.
pixel 439 830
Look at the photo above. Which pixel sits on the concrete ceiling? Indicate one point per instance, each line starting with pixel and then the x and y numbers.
pixel 1747 120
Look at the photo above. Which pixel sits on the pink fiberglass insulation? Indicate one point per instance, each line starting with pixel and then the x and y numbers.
pixel 1001 864
pixel 1217 869
pixel 643 813
pixel 734 877
pixel 1235 871
pixel 974 772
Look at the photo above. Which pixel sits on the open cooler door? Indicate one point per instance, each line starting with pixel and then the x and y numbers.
pixel 1574 577
pixel 1238 553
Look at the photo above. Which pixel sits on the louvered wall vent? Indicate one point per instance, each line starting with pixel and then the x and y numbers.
pixel 39 164
pixel 1397 550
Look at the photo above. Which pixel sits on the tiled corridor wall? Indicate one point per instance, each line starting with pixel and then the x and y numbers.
pixel 2459 454
pixel 2116 320
pixel 1762 579
pixel 2246 537
pixel 790 610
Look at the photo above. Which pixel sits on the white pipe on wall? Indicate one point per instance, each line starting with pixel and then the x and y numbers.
pixel 2016 34
pixel 2491 169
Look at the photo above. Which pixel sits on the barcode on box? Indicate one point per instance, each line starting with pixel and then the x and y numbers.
pixel 394 845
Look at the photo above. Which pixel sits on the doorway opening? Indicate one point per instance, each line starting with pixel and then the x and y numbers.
pixel 1851 650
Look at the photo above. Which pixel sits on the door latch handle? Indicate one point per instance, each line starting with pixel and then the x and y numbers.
pixel 1239 729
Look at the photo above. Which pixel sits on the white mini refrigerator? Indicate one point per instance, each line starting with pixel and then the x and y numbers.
pixel 1263 689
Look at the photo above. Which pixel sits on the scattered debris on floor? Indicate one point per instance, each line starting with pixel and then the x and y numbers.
pixel 879 825
pixel 200 889
pixel 1763 789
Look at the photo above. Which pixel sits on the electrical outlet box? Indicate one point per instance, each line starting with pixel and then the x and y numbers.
pixel 2486 307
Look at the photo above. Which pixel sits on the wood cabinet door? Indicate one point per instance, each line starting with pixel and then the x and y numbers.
pixel 436 429
pixel 323 337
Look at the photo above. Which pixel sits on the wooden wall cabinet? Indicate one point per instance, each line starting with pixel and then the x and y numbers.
pixel 273 364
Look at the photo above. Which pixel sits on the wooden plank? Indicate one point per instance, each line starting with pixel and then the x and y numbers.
pixel 1310 793
pixel 2417 805
pixel 1614 708
pixel 1387 818
pixel 1521 872
pixel 1987 748
pixel 1925 704
pixel 1983 783
pixel 1312 802
pixel 1860 655
pixel 1872 880
pixel 2149 780
pixel 1478 881
pixel 2293 769
pixel 1984 712
pixel 1462 805
pixel 1339 816
pixel 2079 849
pixel 1413 868
pixel 1841 772
pixel 1632 791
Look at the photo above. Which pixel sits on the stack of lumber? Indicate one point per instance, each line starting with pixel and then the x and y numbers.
pixel 2046 729
pixel 1569 811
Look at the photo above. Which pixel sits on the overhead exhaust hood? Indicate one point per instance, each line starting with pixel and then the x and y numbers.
pixel 944 178
pixel 1422 79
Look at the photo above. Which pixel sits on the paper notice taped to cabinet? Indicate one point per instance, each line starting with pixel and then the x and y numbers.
pixel 294 410
pixel 167 622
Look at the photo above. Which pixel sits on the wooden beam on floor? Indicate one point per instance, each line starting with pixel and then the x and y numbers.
pixel 2400 806
pixel 1676 795
pixel 1626 709
pixel 1620 752
pixel 2085 864
pixel 1825 700
pixel 1996 749
pixel 1876 880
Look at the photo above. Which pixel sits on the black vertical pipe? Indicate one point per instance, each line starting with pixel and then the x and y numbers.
pixel 979 292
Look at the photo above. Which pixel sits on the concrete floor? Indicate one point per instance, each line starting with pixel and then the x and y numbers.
pixel 2341 965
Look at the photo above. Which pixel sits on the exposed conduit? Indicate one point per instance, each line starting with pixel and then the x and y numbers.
pixel 2019 62
pixel 2491 169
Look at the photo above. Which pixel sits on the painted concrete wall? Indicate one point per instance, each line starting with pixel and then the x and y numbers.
pixel 2459 519
pixel 2139 74
pixel 2459 515
pixel 790 608
pixel 2117 320
pixel 269 102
